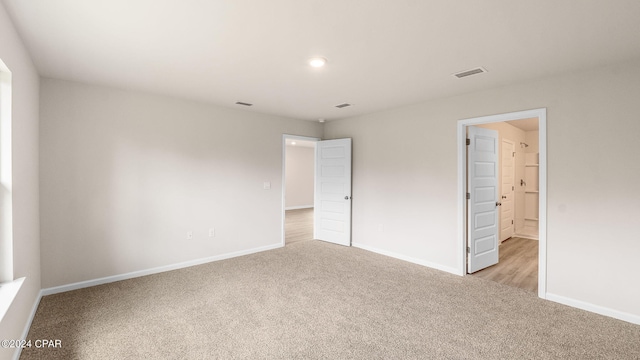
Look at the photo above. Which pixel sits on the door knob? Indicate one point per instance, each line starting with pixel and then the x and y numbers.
pixel 504 197
pixel 347 197
pixel 498 203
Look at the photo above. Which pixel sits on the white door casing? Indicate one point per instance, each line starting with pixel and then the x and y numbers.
pixel 286 137
pixel 463 203
pixel 332 201
pixel 507 198
pixel 483 226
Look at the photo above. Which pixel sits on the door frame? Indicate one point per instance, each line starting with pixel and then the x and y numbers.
pixel 286 137
pixel 541 114
pixel 513 200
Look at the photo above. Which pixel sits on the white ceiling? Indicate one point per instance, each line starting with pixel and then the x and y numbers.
pixel 382 54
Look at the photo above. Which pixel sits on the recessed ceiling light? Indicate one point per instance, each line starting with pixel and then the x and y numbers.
pixel 293 143
pixel 321 120
pixel 317 62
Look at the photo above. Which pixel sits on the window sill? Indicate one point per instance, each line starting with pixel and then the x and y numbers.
pixel 8 292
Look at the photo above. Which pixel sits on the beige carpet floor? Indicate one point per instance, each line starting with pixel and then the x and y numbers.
pixel 313 300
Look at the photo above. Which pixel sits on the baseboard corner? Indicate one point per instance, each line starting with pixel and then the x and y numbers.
pixel 27 325
pixel 300 207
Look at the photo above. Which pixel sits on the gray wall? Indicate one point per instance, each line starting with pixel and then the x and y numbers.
pixel 24 123
pixel 125 175
pixel 405 177
pixel 300 170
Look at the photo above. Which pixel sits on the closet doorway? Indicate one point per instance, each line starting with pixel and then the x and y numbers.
pixel 520 227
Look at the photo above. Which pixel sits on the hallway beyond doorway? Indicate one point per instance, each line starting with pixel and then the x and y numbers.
pixel 298 225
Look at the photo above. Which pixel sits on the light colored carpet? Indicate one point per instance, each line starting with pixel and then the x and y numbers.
pixel 314 300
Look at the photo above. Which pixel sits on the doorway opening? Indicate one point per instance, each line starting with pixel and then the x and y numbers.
pixel 298 188
pixel 331 196
pixel 523 194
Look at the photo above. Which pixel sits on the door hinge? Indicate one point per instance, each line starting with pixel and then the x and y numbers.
pixel 468 250
pixel 513 188
pixel 468 141
pixel 468 196
pixel 511 222
pixel 513 154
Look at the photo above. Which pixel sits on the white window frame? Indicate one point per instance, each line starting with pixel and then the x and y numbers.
pixel 9 286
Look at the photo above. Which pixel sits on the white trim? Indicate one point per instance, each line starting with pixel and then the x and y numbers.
pixel 526 236
pixel 462 198
pixel 156 270
pixel 428 264
pixel 513 177
pixel 284 162
pixel 8 292
pixel 541 114
pixel 299 207
pixel 27 326
pixel 634 319
pixel 6 178
pixel 542 203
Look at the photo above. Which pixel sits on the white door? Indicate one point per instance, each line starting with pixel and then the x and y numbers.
pixel 507 209
pixel 332 201
pixel 482 206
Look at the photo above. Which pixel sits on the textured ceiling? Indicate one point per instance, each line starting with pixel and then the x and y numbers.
pixel 382 54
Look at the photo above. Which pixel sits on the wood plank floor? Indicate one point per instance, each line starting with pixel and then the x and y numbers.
pixel 298 225
pixel 517 266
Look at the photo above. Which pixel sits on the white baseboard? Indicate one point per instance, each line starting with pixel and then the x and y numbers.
pixel 299 207
pixel 527 236
pixel 408 259
pixel 27 326
pixel 135 274
pixel 634 319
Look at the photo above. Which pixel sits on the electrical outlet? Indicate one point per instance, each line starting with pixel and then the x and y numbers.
pixel 212 232
pixel 189 235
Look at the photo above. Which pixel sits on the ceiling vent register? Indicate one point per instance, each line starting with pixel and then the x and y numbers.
pixel 470 72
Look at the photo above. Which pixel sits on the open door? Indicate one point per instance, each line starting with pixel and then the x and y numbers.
pixel 332 201
pixel 483 201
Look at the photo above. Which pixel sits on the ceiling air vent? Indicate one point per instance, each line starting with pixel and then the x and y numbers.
pixel 470 72
pixel 343 105
pixel 243 103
